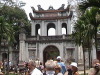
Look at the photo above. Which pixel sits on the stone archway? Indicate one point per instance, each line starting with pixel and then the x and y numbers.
pixel 49 26
pixel 4 56
pixel 50 52
pixel 98 55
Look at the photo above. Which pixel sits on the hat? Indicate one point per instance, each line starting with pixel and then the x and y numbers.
pixel 59 57
pixel 73 64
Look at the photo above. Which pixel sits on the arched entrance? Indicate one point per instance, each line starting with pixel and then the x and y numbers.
pixel 4 56
pixel 51 27
pixel 98 55
pixel 50 52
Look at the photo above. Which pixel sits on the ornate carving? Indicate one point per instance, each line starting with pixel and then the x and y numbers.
pixel 39 8
pixel 33 8
pixel 62 7
pixel 50 8
pixel 30 14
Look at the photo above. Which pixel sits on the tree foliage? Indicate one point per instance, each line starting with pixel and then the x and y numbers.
pixel 14 15
pixel 83 29
pixel 86 4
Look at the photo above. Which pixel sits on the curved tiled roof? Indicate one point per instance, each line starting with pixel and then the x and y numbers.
pixel 50 18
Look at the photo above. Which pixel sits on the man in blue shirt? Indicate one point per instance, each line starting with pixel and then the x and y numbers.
pixel 63 67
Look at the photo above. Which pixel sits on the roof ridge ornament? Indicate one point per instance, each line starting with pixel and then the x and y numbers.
pixel 39 8
pixel 33 8
pixel 62 7
pixel 51 8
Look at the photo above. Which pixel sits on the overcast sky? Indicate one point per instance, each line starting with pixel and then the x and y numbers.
pixel 44 4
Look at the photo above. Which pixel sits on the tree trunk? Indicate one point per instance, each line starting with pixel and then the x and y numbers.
pixel 8 62
pixel 0 44
pixel 84 59
pixel 96 40
pixel 89 52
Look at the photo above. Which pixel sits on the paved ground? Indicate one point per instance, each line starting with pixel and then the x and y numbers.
pixel 82 72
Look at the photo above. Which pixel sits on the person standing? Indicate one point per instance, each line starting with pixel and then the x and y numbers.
pixel 32 68
pixel 37 61
pixel 69 70
pixel 63 67
pixel 0 68
pixel 58 70
pixel 49 67
pixel 72 69
pixel 95 67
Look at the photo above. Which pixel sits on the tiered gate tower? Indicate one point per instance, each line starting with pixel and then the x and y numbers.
pixel 42 45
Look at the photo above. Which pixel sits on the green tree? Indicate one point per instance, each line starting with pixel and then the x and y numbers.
pixel 94 7
pixel 14 16
pixel 6 31
pixel 86 4
pixel 11 17
pixel 84 32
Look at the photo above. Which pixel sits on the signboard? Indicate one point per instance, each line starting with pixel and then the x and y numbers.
pixel 50 15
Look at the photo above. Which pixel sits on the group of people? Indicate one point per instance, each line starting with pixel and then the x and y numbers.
pixel 58 68
pixel 52 67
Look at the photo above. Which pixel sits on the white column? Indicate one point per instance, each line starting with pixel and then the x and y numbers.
pixel 93 52
pixel 80 55
pixel 10 54
pixel 37 50
pixel 27 52
pixel 58 28
pixel 33 28
pixel 43 29
pixel 22 50
pixel 41 52
pixel 69 27
pixel 22 53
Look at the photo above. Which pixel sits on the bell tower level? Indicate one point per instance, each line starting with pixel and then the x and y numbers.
pixel 43 20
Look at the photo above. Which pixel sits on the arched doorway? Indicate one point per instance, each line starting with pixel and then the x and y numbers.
pixel 98 55
pixel 4 56
pixel 50 52
pixel 51 28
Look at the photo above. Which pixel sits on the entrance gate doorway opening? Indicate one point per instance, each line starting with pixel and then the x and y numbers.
pixel 50 52
pixel 98 55
pixel 4 56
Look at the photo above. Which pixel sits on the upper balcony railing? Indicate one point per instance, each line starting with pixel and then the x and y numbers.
pixel 47 38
